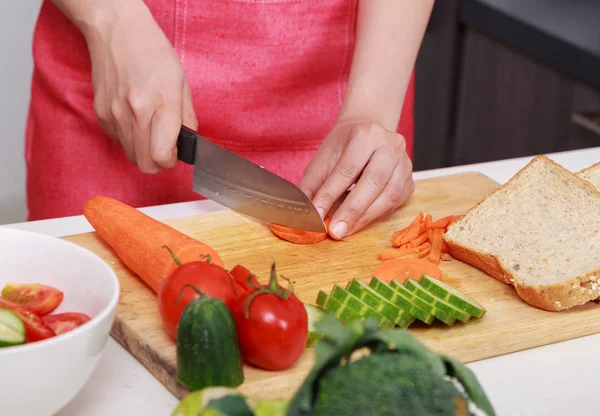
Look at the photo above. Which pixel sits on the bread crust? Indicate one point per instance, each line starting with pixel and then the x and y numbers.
pixel 585 170
pixel 555 297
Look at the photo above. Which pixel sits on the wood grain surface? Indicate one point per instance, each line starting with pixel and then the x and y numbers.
pixel 510 325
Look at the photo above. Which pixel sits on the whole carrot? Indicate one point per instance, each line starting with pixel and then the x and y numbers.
pixel 141 242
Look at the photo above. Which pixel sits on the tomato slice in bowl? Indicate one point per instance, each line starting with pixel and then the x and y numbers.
pixel 35 329
pixel 64 322
pixel 36 297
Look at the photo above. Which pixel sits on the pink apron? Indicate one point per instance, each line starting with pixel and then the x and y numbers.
pixel 268 77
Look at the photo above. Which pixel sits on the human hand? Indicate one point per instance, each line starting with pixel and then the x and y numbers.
pixel 141 95
pixel 363 153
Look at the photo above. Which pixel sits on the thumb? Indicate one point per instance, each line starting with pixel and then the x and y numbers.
pixel 165 127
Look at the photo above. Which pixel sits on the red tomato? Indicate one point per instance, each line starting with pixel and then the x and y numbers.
pixel 208 278
pixel 35 329
pixel 38 298
pixel 64 322
pixel 274 334
pixel 240 275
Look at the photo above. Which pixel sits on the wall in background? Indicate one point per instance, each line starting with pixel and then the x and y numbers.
pixel 17 21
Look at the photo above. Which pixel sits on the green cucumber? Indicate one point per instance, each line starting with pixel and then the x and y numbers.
pixel 430 307
pixel 208 352
pixel 452 296
pixel 12 329
pixel 364 310
pixel 314 315
pixel 400 317
pixel 402 301
pixel 429 297
pixel 341 311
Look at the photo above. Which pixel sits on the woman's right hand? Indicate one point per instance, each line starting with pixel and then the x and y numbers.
pixel 141 94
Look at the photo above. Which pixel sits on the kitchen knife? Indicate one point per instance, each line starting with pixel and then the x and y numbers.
pixel 245 187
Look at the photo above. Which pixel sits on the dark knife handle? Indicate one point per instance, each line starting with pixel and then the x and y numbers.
pixel 186 145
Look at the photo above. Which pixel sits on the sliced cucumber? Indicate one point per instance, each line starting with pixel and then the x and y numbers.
pixel 341 311
pixel 361 290
pixel 430 307
pixel 402 301
pixel 314 315
pixel 452 296
pixel 364 310
pixel 429 297
pixel 12 329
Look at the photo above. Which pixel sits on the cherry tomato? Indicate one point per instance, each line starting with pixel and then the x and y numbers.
pixel 272 326
pixel 210 279
pixel 63 322
pixel 35 329
pixel 38 298
pixel 240 275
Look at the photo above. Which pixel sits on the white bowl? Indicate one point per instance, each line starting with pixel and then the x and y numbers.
pixel 41 378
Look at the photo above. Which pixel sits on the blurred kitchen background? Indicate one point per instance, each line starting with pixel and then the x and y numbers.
pixel 495 79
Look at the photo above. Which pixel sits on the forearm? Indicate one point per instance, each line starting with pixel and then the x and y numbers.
pixel 388 36
pixel 93 16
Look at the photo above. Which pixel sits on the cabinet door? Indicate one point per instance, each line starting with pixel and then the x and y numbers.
pixel 508 104
pixel 585 118
pixel 435 83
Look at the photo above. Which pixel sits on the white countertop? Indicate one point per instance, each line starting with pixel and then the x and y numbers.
pixel 557 379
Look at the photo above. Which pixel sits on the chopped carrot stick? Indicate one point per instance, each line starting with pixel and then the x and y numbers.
pixel 436 246
pixel 423 247
pixel 400 232
pixel 397 254
pixel 428 220
pixel 402 269
pixel 414 230
pixel 299 236
pixel 430 234
pixel 419 240
pixel 140 241
pixel 455 218
pixel 425 253
pixel 441 223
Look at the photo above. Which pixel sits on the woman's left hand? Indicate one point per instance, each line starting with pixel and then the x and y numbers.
pixel 363 153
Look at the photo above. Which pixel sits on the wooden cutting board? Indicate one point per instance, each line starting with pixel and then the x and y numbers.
pixel 510 324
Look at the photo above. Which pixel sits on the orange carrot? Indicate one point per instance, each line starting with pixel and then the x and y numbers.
pixel 428 220
pixel 299 236
pixel 419 240
pixel 423 247
pixel 397 254
pixel 400 232
pixel 414 230
pixel 436 246
pixel 140 241
pixel 441 223
pixel 455 218
pixel 425 253
pixel 402 269
pixel 430 234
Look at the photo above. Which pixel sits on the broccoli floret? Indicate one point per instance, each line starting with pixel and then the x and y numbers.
pixel 385 384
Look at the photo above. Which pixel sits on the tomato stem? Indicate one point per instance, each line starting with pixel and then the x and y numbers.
pixel 272 288
pixel 181 292
pixel 173 255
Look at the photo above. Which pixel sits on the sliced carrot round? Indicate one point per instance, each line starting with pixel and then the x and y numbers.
pixel 299 236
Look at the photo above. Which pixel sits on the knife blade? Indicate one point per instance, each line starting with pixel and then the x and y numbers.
pixel 243 186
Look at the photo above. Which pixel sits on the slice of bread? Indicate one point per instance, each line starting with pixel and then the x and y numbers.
pixel 539 232
pixel 591 174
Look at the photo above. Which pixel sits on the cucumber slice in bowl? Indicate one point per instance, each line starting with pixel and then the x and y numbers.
pixel 12 329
